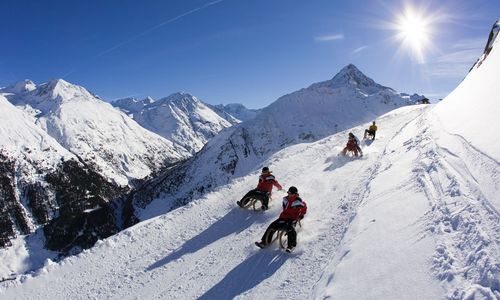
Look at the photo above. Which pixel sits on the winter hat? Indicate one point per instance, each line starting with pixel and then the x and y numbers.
pixel 265 170
pixel 293 190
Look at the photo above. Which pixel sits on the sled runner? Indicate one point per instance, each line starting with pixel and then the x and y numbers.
pixel 254 202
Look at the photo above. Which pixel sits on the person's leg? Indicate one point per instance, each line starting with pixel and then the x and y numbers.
pixel 265 201
pixel 292 236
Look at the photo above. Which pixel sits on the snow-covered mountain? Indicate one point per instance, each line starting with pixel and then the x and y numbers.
pixel 235 113
pixel 182 119
pixel 45 191
pixel 307 115
pixel 132 105
pixel 416 218
pixel 92 129
pixel 27 153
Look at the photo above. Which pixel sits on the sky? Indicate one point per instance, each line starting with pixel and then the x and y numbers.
pixel 237 51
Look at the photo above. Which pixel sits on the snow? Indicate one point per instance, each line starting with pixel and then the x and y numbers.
pixel 121 149
pixel 307 115
pixel 21 138
pixel 417 217
pixel 372 231
pixel 182 119
pixel 235 112
pixel 25 255
pixel 472 112
pixel 132 105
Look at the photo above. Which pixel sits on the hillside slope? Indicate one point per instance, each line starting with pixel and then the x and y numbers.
pixel 405 221
pixel 214 250
pixel 307 115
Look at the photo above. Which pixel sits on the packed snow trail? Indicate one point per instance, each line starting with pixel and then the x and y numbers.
pixel 460 223
pixel 206 249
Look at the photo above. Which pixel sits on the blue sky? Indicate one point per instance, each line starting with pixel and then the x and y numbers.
pixel 226 51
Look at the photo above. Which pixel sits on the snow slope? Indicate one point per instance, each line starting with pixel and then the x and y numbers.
pixel 391 225
pixel 95 131
pixel 415 218
pixel 21 138
pixel 307 115
pixel 213 256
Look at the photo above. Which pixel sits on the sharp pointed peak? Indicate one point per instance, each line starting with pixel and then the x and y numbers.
pixel 351 72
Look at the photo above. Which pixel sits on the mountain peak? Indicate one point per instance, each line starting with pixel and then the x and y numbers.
pixel 21 87
pixel 131 104
pixel 59 88
pixel 351 75
pixel 180 96
pixel 177 98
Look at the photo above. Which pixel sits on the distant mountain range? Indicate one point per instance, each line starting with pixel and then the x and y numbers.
pixel 184 119
pixel 66 156
pixel 69 158
pixel 93 130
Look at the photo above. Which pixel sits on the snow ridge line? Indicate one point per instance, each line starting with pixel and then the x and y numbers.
pixel 466 258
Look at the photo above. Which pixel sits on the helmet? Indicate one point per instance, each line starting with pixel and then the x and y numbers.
pixel 351 134
pixel 293 190
pixel 265 170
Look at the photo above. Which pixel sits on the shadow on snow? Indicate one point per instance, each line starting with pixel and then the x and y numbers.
pixel 233 222
pixel 254 270
pixel 338 161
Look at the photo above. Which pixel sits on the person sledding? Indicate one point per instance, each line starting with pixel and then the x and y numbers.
pixel 352 146
pixel 370 132
pixel 294 209
pixel 263 190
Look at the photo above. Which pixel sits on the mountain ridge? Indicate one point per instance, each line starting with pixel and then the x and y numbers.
pixel 304 116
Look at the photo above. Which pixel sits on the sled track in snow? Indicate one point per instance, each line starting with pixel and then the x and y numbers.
pixel 466 259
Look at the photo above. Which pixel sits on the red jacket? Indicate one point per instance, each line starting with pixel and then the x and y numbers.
pixel 352 143
pixel 294 208
pixel 266 182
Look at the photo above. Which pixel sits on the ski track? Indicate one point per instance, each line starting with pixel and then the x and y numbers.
pixel 462 217
pixel 158 260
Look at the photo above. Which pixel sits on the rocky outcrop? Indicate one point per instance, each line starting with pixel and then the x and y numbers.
pixel 73 204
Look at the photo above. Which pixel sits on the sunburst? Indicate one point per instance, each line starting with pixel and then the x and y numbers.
pixel 414 31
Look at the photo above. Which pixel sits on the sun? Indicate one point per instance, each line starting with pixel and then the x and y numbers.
pixel 414 32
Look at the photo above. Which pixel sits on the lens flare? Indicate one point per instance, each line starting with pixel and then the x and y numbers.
pixel 414 32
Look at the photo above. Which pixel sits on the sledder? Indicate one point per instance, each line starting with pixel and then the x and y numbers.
pixel 263 190
pixel 370 132
pixel 352 146
pixel 294 209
